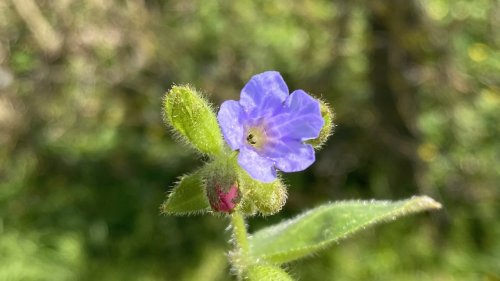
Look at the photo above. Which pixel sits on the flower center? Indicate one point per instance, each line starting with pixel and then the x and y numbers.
pixel 256 137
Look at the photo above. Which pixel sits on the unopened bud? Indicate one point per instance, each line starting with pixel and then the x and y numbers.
pixel 224 199
pixel 221 184
pixel 264 198
pixel 191 116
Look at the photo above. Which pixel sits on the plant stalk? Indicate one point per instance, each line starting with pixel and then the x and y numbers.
pixel 239 257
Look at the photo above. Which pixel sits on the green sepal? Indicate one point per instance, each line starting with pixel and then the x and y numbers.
pixel 266 272
pixel 187 197
pixel 260 197
pixel 192 118
pixel 319 228
pixel 327 130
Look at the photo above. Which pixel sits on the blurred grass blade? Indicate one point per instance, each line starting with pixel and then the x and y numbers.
pixel 320 227
pixel 188 197
pixel 266 272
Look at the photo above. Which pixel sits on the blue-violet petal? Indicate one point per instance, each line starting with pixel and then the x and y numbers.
pixel 301 118
pixel 264 94
pixel 258 167
pixel 230 116
pixel 289 155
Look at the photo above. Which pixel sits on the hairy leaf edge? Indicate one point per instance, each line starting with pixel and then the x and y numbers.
pixel 413 205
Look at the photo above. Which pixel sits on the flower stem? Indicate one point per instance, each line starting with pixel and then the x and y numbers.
pixel 240 255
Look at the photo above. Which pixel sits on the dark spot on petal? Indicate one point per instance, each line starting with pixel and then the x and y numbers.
pixel 251 140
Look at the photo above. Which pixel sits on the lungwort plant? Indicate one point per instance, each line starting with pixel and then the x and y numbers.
pixel 248 143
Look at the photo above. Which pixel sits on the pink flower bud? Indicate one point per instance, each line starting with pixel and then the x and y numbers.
pixel 223 199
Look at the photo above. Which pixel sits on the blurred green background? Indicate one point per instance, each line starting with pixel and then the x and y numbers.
pixel 85 160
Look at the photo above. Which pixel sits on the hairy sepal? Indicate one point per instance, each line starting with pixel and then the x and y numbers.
pixel 187 197
pixel 327 129
pixel 259 197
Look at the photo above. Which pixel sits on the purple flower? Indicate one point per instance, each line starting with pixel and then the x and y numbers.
pixel 268 126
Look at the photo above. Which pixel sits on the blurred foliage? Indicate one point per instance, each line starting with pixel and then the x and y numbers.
pixel 85 161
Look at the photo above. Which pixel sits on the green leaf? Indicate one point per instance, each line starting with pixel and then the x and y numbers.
pixel 266 272
pixel 321 227
pixel 192 118
pixel 187 197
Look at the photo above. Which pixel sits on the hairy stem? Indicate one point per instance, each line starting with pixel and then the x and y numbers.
pixel 239 256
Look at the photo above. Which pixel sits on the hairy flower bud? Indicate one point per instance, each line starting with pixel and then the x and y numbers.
pixel 193 120
pixel 260 197
pixel 222 187
pixel 223 198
